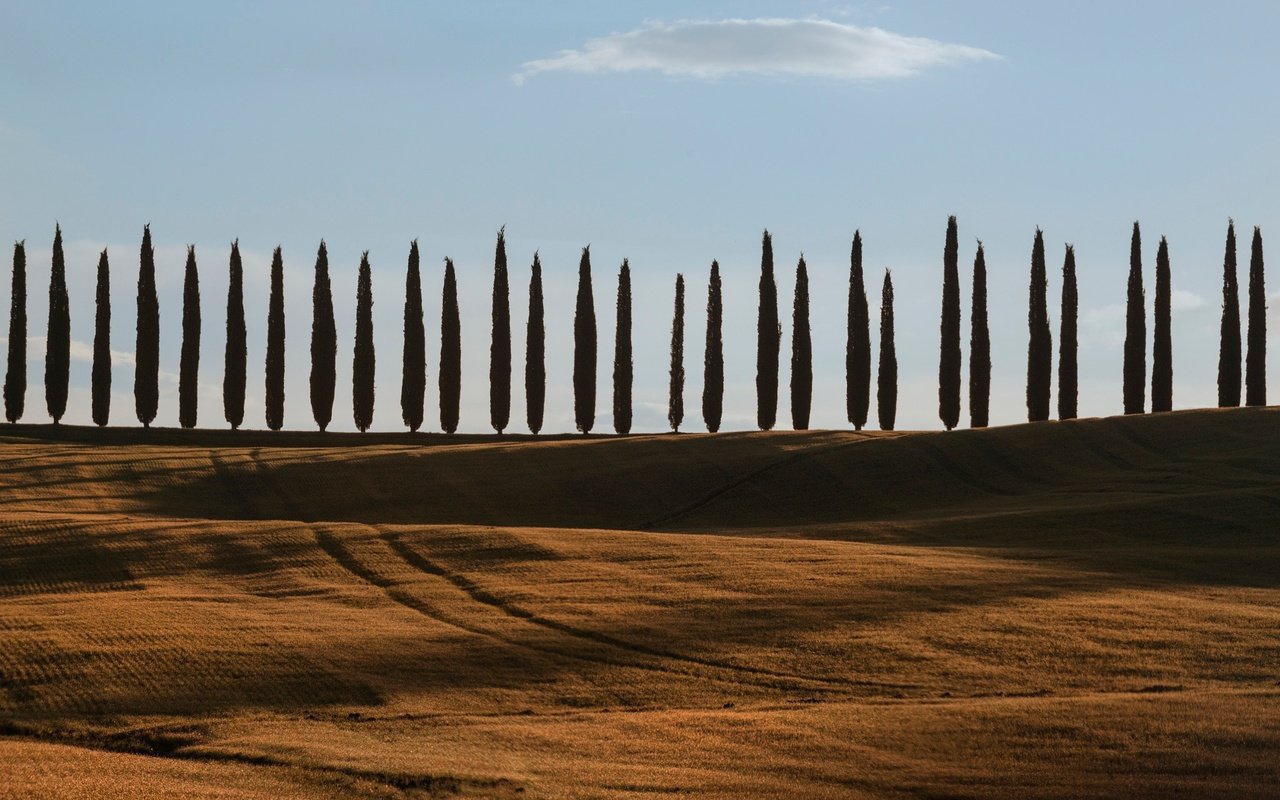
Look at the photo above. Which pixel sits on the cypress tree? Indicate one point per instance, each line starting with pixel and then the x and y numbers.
pixel 535 368
pixel 362 360
pixel 500 344
pixel 1068 346
pixel 1162 343
pixel 1255 374
pixel 1135 339
pixel 413 376
pixel 450 352
pixel 233 380
pixel 15 378
pixel 675 397
pixel 713 357
pixel 887 377
pixel 768 337
pixel 584 349
pixel 275 345
pixel 623 368
pixel 979 347
pixel 324 343
pixel 1040 347
pixel 801 352
pixel 949 359
pixel 146 376
pixel 101 386
pixel 857 349
pixel 189 365
pixel 1229 345
pixel 57 359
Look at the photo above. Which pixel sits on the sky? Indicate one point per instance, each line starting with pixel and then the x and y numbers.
pixel 667 133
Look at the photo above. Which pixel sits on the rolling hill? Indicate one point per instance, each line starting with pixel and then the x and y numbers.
pixel 1055 610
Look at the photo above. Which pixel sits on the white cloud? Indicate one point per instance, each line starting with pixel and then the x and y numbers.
pixel 802 47
pixel 1183 300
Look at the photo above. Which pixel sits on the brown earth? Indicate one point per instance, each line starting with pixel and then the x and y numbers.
pixel 1049 611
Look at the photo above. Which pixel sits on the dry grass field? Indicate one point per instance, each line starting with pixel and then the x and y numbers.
pixel 1085 609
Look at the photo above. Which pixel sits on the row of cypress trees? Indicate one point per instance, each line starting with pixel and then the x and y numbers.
pixel 413 385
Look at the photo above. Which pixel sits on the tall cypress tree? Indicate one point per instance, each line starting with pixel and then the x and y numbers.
pixel 189 365
pixel 857 349
pixel 233 380
pixel 1229 346
pixel 450 351
pixel 1068 346
pixel 101 386
pixel 362 359
pixel 949 358
pixel 1162 343
pixel 57 359
pixel 675 396
pixel 887 376
pixel 413 376
pixel 1040 347
pixel 979 347
pixel 623 368
pixel 15 378
pixel 146 376
pixel 237 348
pixel 584 349
pixel 768 338
pixel 713 357
pixel 801 352
pixel 324 343
pixel 275 345
pixel 1135 338
pixel 1255 374
pixel 500 343
pixel 535 368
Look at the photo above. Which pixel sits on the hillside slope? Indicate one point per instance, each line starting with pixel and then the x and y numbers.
pixel 812 614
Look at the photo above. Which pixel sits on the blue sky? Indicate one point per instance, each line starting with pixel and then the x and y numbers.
pixel 660 132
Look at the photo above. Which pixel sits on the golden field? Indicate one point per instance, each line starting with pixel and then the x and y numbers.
pixel 1061 610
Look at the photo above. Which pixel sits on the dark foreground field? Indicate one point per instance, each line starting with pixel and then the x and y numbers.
pixel 1050 611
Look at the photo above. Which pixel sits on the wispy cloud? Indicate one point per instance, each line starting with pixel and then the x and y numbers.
pixel 799 47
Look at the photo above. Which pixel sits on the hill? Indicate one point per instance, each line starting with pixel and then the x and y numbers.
pixel 1055 610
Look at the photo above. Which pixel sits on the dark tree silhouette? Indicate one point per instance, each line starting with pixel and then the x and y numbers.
pixel 101 379
pixel 1229 346
pixel 500 343
pixel 146 376
pixel 887 377
pixel 1040 346
pixel 801 352
pixel 1162 342
pixel 15 378
pixel 584 349
pixel 233 380
pixel 413 375
pixel 979 347
pixel 275 345
pixel 57 359
pixel 675 397
pixel 949 359
pixel 768 339
pixel 363 359
pixel 713 356
pixel 189 365
pixel 1068 357
pixel 535 368
pixel 450 352
pixel 324 343
pixel 623 368
pixel 1255 360
pixel 1135 338
pixel 857 349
